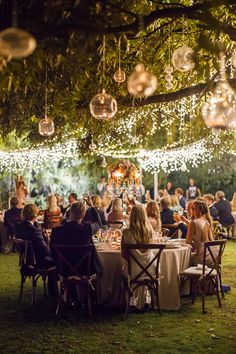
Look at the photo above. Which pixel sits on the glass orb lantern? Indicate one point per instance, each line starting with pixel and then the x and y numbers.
pixel 219 111
pixel 103 106
pixel 141 83
pixel 16 43
pixel 119 76
pixel 183 59
pixel 46 127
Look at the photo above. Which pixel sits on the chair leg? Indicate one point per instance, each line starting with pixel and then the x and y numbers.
pixel 194 290
pixel 23 278
pixel 89 301
pixel 33 285
pixel 203 295
pixel 158 300
pixel 59 298
pixel 221 289
pixel 44 278
pixel 127 299
pixel 217 292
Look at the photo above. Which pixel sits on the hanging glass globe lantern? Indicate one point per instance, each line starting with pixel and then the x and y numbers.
pixel 219 111
pixel 119 76
pixel 16 43
pixel 46 126
pixel 183 58
pixel 103 162
pixel 141 83
pixel 103 106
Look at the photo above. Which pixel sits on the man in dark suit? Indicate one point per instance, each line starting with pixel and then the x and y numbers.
pixel 168 217
pixel 224 210
pixel 180 195
pixel 27 230
pixel 209 198
pixel 77 232
pixel 12 216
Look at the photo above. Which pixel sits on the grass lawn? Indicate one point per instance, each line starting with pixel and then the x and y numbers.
pixel 27 330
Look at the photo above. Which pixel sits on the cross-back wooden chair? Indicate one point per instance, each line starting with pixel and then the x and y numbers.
pixel 116 224
pixel 144 277
pixel 28 268
pixel 173 230
pixel 74 266
pixel 202 278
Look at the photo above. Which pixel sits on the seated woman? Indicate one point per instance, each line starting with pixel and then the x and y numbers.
pixel 116 213
pixel 52 215
pixel 153 214
pixel 97 203
pixel 175 206
pixel 199 231
pixel 139 232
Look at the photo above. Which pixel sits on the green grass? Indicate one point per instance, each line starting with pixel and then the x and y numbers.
pixel 36 330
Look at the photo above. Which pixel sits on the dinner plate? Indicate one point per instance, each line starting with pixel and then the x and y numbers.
pixel 173 245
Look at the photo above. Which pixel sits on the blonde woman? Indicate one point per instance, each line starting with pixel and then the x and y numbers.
pixel 175 206
pixel 139 232
pixel 199 231
pixel 97 203
pixel 153 214
pixel 116 213
pixel 52 215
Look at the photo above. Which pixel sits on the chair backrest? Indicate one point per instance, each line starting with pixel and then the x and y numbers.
pixel 165 232
pixel 73 260
pixel 25 251
pixel 144 269
pixel 214 251
pixel 116 224
pixel 173 230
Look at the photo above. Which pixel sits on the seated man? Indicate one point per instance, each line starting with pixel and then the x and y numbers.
pixel 12 216
pixel 26 230
pixel 169 217
pixel 209 198
pixel 77 232
pixel 180 195
pixel 226 217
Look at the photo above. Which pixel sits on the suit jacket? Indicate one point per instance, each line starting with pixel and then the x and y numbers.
pixel 73 233
pixel 214 213
pixel 167 216
pixel 11 218
pixel 27 231
pixel 182 202
pixel 224 212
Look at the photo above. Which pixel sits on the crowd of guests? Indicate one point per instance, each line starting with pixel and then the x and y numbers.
pixel 191 216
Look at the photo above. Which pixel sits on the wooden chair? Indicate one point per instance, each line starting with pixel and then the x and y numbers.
pixel 202 278
pixel 165 232
pixel 115 224
pixel 151 281
pixel 173 230
pixel 28 268
pixel 74 267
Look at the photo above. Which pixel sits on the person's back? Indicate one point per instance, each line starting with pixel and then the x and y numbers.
pixel 12 216
pixel 116 213
pixel 224 211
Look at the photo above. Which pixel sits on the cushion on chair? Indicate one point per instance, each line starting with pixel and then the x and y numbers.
pixel 195 271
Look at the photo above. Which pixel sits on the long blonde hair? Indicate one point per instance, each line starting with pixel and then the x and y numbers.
pixel 97 201
pixel 233 202
pixel 139 225
pixel 117 205
pixel 52 203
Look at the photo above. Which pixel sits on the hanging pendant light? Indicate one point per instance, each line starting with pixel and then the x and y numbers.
pixel 234 59
pixel 103 162
pixel 16 43
pixel 141 83
pixel 46 125
pixel 103 106
pixel 219 111
pixel 119 75
pixel 183 59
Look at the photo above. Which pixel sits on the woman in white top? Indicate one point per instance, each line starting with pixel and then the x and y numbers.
pixel 139 232
pixel 199 231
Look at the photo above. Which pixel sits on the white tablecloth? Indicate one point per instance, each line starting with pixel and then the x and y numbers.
pixel 109 284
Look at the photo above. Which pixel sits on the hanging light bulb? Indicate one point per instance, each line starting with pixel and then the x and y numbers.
pixel 103 162
pixel 103 106
pixel 119 75
pixel 234 59
pixel 183 167
pixel 3 61
pixel 16 43
pixel 183 58
pixel 141 83
pixel 46 127
pixel 219 111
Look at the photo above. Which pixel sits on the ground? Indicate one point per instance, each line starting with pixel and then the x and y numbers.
pixel 26 330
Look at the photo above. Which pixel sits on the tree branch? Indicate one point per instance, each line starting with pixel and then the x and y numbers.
pixel 169 97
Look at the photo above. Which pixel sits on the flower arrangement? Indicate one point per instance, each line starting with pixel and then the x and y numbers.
pixel 123 172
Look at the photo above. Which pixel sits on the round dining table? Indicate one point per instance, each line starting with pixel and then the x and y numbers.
pixel 109 283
